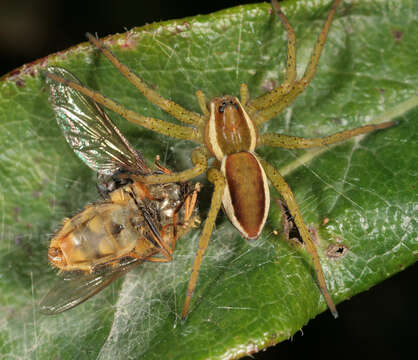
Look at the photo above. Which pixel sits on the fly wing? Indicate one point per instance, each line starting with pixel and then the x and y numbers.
pixel 74 289
pixel 89 131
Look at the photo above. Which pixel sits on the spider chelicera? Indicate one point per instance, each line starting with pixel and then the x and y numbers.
pixel 228 131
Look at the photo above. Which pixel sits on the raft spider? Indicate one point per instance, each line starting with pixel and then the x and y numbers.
pixel 228 130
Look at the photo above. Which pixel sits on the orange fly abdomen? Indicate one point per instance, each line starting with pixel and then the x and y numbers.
pixel 92 237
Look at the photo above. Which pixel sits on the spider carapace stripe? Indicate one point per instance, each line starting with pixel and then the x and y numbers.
pixel 246 198
pixel 231 136
pixel 229 128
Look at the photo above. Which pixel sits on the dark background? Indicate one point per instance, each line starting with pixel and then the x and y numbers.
pixel 380 323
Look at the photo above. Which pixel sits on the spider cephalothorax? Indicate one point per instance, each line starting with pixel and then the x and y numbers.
pixel 228 130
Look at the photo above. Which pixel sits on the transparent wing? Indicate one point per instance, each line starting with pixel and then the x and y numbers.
pixel 72 290
pixel 89 131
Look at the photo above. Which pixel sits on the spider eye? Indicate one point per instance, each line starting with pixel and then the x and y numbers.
pixel 224 104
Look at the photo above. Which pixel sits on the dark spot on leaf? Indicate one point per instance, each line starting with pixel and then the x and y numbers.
pixel 18 239
pixel 336 251
pixel 397 35
pixel 20 83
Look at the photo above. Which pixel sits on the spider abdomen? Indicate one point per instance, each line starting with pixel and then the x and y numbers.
pixel 246 199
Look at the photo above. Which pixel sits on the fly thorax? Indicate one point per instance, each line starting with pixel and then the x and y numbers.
pixel 229 129
pixel 166 199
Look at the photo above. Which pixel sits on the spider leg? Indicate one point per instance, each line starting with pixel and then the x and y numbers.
pixel 280 184
pixel 201 99
pixel 293 142
pixel 169 106
pixel 244 94
pixel 215 177
pixel 160 126
pixel 199 158
pixel 273 96
pixel 281 101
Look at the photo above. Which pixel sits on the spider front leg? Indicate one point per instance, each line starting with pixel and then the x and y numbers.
pixel 160 126
pixel 270 98
pixel 279 100
pixel 280 184
pixel 200 161
pixel 217 178
pixel 169 106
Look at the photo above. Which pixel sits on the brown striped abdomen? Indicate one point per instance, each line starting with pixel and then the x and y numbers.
pixel 246 199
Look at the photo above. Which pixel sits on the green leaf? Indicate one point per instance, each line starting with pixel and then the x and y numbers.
pixel 250 294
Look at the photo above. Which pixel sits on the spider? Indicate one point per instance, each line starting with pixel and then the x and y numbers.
pixel 228 130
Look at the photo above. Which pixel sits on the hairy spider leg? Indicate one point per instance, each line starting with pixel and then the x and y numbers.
pixel 279 100
pixel 160 126
pixel 244 95
pixel 201 99
pixel 294 142
pixel 217 178
pixel 200 163
pixel 270 98
pixel 169 106
pixel 281 185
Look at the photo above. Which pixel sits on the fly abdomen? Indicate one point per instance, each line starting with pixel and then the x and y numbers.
pixel 96 235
